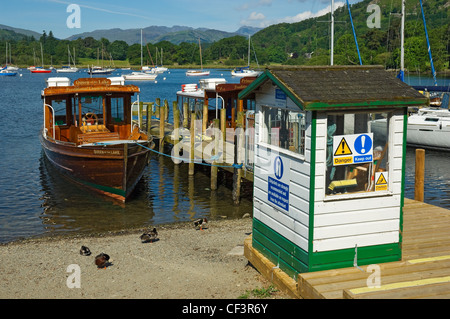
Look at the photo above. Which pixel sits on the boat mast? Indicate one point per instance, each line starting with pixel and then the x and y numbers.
pixel 332 33
pixel 141 52
pixel 248 50
pixel 433 71
pixel 401 75
pixel 42 56
pixel 200 46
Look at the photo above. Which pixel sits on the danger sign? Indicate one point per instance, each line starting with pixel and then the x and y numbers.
pixel 352 149
pixel 381 181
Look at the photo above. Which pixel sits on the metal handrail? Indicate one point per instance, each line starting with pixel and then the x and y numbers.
pixel 53 118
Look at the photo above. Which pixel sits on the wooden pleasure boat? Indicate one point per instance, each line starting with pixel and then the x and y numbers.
pixel 89 134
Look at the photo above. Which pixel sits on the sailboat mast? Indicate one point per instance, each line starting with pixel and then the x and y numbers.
pixel 248 50
pixel 141 52
pixel 402 42
pixel 332 33
pixel 200 46
pixel 433 71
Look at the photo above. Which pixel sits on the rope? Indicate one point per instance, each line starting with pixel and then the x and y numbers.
pixel 238 166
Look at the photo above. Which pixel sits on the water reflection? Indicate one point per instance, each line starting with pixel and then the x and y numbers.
pixel 165 194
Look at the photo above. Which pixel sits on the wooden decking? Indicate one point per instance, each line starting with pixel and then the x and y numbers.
pixel 423 272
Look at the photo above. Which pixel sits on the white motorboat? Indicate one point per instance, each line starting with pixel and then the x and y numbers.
pixel 140 76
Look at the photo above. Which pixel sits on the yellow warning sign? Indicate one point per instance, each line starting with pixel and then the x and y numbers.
pixel 381 183
pixel 342 148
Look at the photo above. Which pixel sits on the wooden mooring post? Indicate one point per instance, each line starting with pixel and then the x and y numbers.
pixel 192 148
pixel 419 183
pixel 214 168
pixel 238 149
pixel 162 121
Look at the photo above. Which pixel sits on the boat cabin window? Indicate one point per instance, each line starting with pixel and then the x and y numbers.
pixel 117 107
pixel 357 153
pixel 91 110
pixel 59 107
pixel 284 128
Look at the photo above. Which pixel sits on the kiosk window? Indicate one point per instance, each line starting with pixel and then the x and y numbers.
pixel 285 129
pixel 357 153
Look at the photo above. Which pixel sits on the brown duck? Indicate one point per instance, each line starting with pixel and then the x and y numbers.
pixel 102 260
pixel 149 236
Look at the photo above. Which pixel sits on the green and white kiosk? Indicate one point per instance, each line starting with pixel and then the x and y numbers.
pixel 329 166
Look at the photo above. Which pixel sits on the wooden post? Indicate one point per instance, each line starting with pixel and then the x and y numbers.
pixel 141 114
pixel 238 150
pixel 223 122
pixel 214 168
pixel 161 128
pixel 166 110
pixel 420 175
pixel 205 118
pixel 176 121
pixel 185 115
pixel 149 118
pixel 191 154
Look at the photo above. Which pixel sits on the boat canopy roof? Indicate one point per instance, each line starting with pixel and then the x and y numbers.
pixel 90 85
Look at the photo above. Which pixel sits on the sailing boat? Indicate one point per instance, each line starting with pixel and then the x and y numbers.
pixel 246 71
pixel 198 72
pixel 140 76
pixel 4 71
pixel 68 69
pixel 41 69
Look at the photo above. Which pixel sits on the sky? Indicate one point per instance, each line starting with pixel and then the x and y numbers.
pixel 225 15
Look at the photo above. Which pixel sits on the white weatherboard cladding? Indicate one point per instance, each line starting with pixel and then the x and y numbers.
pixel 351 221
pixel 293 224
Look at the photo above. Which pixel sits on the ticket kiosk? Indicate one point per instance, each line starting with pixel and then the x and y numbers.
pixel 329 165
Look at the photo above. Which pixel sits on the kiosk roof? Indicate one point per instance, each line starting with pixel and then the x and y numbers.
pixel 340 87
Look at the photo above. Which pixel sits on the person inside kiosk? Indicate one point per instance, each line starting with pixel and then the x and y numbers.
pixel 357 149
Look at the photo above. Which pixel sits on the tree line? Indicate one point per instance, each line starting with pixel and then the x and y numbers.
pixel 303 43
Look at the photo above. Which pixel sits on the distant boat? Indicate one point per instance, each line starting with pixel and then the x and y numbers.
pixel 198 72
pixel 41 69
pixel 69 68
pixel 140 76
pixel 245 71
pixel 99 70
pixel 5 72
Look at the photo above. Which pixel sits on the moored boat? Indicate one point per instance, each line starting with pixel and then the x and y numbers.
pixel 140 76
pixel 90 136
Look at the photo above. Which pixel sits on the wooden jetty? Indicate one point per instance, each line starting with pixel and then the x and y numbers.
pixel 163 133
pixel 423 272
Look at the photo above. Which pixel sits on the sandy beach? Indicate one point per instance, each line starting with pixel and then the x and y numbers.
pixel 184 263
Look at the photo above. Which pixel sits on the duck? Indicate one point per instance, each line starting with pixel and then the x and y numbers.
pixel 102 260
pixel 85 251
pixel 150 236
pixel 200 223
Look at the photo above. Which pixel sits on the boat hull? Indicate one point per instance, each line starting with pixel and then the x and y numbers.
pixel 112 170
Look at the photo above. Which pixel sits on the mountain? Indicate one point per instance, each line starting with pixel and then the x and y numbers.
pixel 16 32
pixel 155 34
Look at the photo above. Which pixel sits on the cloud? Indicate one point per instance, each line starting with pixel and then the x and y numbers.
pixel 103 9
pixel 259 20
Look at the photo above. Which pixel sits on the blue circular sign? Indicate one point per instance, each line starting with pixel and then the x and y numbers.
pixel 278 167
pixel 363 144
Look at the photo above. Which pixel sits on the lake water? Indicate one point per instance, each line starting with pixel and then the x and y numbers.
pixel 36 200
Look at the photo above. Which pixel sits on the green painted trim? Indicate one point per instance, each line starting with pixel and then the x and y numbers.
pixel 345 257
pixel 330 106
pixel 402 195
pixel 108 189
pixel 278 249
pixel 267 75
pixel 312 183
